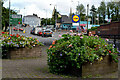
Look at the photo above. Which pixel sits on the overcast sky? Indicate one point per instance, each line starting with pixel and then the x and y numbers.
pixel 39 7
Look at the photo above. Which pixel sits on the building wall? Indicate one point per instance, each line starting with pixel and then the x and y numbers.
pixel 66 25
pixel 32 21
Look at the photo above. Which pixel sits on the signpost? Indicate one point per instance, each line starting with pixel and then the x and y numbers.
pixel 76 19
pixel 14 19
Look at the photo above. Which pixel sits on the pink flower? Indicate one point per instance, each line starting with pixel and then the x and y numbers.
pixel 107 39
pixel 70 45
pixel 71 31
pixel 60 36
pixel 96 35
pixel 79 34
pixel 81 37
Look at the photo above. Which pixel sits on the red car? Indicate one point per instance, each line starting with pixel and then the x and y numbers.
pixel 39 33
pixel 16 29
pixel 21 29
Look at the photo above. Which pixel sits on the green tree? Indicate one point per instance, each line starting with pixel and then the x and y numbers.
pixel 93 11
pixel 81 11
pixel 5 17
pixel 102 10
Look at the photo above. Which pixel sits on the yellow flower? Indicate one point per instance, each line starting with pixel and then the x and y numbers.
pixel 30 37
pixel 9 38
pixel 101 58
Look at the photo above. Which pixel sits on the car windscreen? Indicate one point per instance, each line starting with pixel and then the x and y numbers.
pixel 47 31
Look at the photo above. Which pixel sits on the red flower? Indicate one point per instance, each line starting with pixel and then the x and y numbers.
pixel 109 51
pixel 7 32
pixel 11 35
pixel 3 32
pixel 17 36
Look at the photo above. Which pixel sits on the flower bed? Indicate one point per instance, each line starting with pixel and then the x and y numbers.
pixel 19 45
pixel 71 52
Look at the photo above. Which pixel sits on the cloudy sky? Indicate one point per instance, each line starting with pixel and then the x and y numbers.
pixel 41 7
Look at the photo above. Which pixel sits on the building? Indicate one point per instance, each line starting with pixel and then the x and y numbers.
pixel 32 20
pixel 66 22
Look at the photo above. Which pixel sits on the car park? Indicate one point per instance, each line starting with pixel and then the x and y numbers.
pixel 47 33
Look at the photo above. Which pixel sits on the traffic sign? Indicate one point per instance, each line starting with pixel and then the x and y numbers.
pixel 14 19
pixel 75 18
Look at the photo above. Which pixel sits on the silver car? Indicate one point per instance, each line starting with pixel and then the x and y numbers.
pixel 47 33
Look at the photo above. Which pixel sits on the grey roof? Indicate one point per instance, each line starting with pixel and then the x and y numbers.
pixel 66 19
pixel 31 16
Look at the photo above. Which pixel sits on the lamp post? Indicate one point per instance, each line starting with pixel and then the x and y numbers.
pixel 55 16
pixel 9 19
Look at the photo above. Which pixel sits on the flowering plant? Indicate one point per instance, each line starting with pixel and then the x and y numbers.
pixel 18 41
pixel 74 50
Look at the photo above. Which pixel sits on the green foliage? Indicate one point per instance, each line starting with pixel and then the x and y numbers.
pixel 93 28
pixel 81 10
pixel 5 16
pixel 72 51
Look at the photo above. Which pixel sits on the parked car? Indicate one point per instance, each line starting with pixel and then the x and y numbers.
pixel 40 32
pixel 35 30
pixel 47 33
pixel 15 28
pixel 21 29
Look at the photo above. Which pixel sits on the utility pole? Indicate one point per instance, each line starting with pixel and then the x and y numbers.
pixel 9 19
pixel 87 17
pixel 80 19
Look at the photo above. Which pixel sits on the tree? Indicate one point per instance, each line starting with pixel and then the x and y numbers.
pixel 102 10
pixel 93 12
pixel 81 11
pixel 5 17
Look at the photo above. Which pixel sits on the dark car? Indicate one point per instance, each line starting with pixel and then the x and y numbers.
pixel 47 33
pixel 32 31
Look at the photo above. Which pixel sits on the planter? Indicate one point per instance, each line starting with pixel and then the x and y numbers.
pixel 22 53
pixel 97 68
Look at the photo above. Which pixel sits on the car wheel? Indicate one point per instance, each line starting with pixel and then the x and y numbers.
pixel 42 35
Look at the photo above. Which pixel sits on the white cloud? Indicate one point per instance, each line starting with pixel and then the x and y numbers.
pixel 37 6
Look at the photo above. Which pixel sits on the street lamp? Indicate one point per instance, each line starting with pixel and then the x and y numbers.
pixel 46 16
pixel 55 16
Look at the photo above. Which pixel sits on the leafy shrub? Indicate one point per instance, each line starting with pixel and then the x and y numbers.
pixel 72 51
